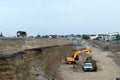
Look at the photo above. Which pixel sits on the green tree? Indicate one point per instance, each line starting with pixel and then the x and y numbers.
pixel 38 36
pixel 86 37
pixel 118 37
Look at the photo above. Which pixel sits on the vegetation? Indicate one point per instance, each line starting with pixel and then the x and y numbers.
pixel 118 37
pixel 38 36
pixel 86 37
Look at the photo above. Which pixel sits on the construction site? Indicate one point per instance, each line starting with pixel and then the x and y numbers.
pixel 59 40
pixel 58 59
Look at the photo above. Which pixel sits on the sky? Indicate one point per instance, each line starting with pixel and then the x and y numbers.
pixel 59 16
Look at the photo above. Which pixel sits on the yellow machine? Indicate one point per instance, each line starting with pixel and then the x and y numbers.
pixel 75 55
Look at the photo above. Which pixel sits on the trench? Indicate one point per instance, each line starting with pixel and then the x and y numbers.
pixel 33 64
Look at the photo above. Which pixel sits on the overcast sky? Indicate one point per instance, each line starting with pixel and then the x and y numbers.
pixel 59 16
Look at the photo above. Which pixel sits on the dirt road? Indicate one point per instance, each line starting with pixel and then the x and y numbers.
pixel 107 69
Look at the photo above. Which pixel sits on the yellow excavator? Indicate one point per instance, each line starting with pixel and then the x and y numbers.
pixel 76 57
pixel 88 65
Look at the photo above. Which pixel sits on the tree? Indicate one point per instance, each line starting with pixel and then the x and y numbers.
pixel 38 36
pixel 86 37
pixel 118 37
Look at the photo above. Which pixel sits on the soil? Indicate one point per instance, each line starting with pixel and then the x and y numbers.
pixel 10 45
pixel 32 64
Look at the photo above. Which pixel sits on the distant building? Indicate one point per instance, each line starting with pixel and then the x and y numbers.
pixel 111 36
pixel 93 36
pixel 53 36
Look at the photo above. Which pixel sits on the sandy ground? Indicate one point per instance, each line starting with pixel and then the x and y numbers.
pixel 107 69
pixel 10 45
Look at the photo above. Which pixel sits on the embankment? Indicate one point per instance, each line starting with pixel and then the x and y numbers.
pixel 111 46
pixel 39 63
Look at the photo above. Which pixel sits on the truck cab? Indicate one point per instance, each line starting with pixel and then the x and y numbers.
pixel 89 66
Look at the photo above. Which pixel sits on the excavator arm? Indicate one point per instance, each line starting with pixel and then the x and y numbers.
pixel 78 52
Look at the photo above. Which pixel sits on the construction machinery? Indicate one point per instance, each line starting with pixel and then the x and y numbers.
pixel 21 34
pixel 88 65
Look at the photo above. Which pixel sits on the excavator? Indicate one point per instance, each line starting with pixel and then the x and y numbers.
pixel 88 65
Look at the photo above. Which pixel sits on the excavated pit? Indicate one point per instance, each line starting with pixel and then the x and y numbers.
pixel 38 63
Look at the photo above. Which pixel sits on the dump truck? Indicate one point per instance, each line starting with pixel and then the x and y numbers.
pixel 89 65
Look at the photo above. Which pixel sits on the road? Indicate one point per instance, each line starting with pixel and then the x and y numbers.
pixel 107 69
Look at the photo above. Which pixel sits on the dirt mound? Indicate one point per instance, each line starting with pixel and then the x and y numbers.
pixel 11 45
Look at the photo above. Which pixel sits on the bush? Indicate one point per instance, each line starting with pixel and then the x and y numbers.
pixel 86 37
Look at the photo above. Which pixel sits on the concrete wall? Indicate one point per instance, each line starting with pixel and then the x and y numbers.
pixel 33 63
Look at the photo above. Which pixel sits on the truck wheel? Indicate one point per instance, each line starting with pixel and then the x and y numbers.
pixel 84 69
pixel 95 69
